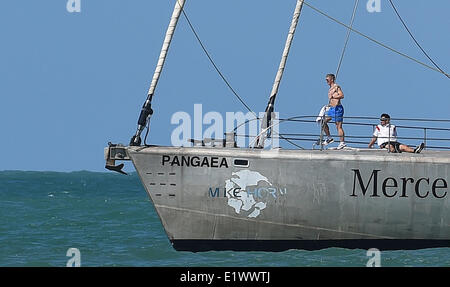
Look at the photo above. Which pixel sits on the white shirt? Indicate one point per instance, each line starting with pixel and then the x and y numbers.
pixel 322 113
pixel 384 134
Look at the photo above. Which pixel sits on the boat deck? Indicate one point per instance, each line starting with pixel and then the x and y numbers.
pixel 435 156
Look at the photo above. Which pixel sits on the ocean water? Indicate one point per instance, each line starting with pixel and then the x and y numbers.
pixel 109 218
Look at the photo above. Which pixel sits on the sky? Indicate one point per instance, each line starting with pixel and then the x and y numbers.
pixel 72 82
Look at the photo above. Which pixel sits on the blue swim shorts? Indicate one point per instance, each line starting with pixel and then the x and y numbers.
pixel 336 113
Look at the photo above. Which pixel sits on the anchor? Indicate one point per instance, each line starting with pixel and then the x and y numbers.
pixel 111 160
pixel 117 168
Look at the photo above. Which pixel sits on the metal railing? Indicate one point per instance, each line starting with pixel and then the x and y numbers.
pixel 434 133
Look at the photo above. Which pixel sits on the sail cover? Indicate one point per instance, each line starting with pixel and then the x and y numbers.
pixel 266 122
pixel 146 111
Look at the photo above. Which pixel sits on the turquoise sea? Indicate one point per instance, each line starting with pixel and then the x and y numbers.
pixel 110 220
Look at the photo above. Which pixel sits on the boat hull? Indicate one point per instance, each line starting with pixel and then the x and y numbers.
pixel 251 199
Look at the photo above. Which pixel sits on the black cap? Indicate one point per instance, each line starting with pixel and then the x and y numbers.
pixel 385 117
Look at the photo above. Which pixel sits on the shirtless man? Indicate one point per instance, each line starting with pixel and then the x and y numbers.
pixel 336 111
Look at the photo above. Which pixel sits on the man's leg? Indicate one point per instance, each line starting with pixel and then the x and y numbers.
pixel 339 120
pixel 406 148
pixel 340 131
pixel 326 129
pixel 391 148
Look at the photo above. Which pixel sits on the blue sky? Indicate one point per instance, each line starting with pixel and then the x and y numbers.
pixel 71 82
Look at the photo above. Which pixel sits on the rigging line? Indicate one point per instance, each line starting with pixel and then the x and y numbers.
pixel 414 39
pixel 371 118
pixel 348 37
pixel 214 64
pixel 289 141
pixel 146 133
pixel 375 41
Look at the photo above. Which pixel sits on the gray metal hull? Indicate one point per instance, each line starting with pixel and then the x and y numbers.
pixel 282 199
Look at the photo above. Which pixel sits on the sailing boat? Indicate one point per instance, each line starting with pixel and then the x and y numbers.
pixel 224 197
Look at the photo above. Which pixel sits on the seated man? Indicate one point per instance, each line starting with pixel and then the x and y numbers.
pixel 386 134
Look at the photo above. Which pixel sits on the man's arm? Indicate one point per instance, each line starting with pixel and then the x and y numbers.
pixel 372 141
pixel 338 94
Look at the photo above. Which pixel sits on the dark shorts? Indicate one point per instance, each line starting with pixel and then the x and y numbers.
pixel 336 113
pixel 396 146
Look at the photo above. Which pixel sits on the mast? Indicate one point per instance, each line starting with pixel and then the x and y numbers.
pixel 147 111
pixel 267 120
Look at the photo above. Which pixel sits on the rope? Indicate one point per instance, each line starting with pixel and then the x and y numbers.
pixel 348 36
pixel 375 41
pixel 372 118
pixel 415 41
pixel 214 64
